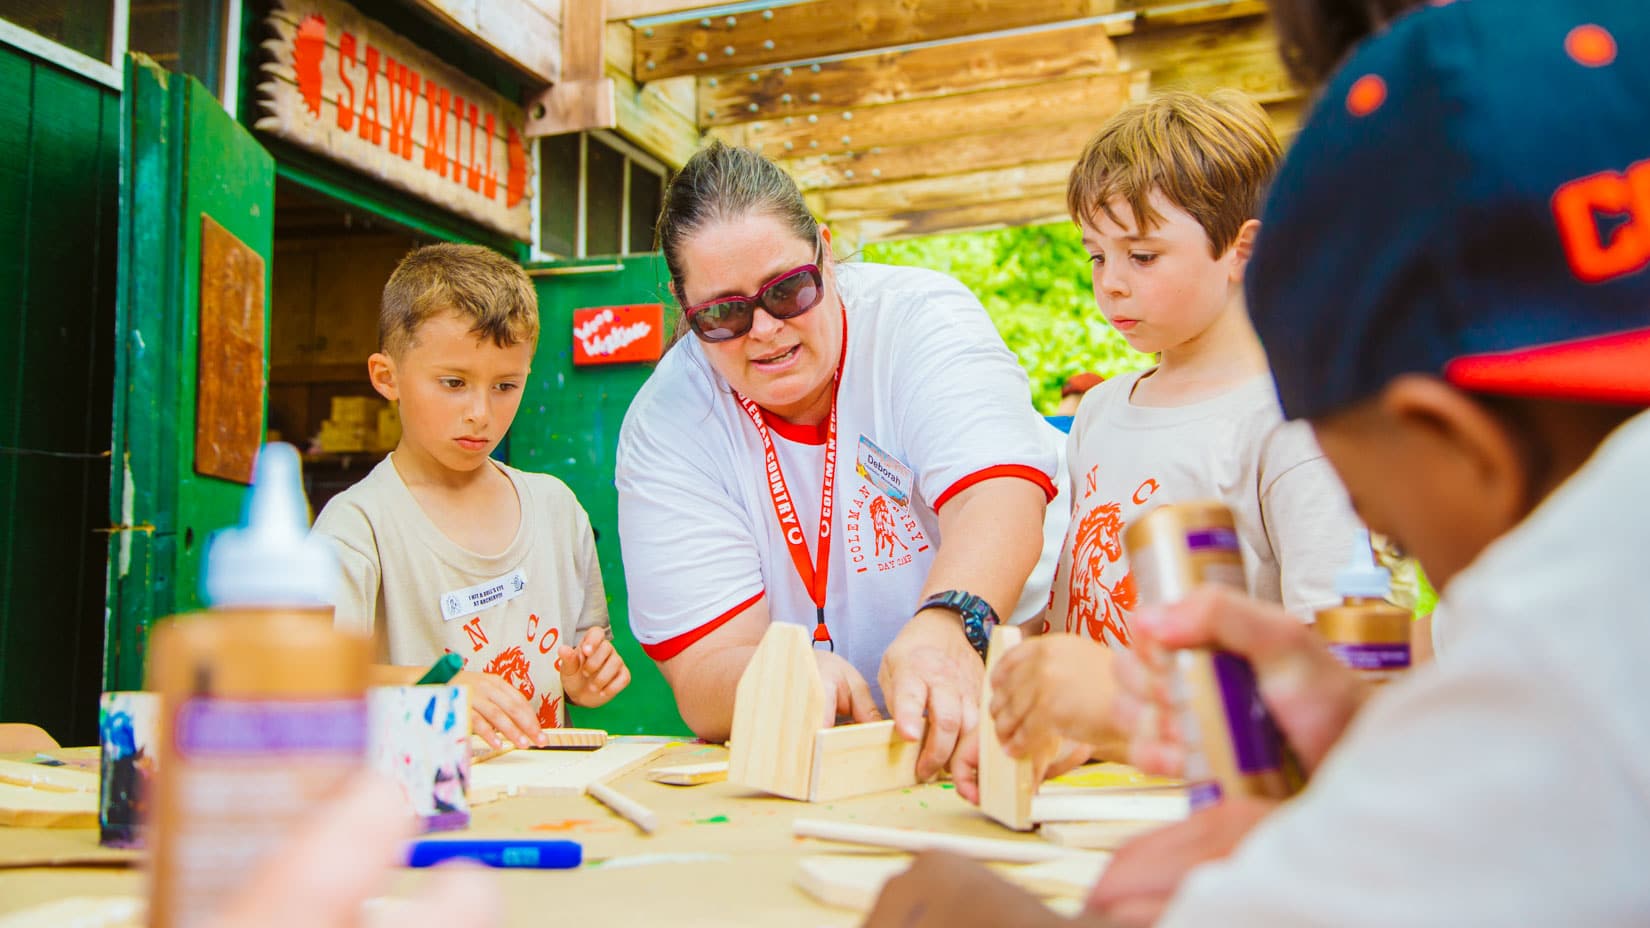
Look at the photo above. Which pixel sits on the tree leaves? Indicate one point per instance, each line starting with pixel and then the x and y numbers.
pixel 1034 282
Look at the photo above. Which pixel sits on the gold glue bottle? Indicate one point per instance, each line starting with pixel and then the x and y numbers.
pixel 1366 632
pixel 263 710
pixel 1233 746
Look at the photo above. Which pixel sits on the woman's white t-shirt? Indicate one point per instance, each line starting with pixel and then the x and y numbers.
pixel 930 402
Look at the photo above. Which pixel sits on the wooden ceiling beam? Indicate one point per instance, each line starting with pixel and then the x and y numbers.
pixel 951 191
pixel 909 74
pixel 641 9
pixel 1237 52
pixel 990 149
pixel 997 214
pixel 824 28
pixel 1085 100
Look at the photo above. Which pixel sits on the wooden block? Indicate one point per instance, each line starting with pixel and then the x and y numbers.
pixel 556 773
pixel 43 776
pixel 1109 805
pixel 1097 836
pixel 81 912
pixel 573 739
pixel 906 839
pixel 1006 784
pixel 852 760
pixel 690 774
pixel 41 808
pixel 778 710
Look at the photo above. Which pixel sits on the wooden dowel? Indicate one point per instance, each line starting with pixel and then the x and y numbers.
pixel 639 815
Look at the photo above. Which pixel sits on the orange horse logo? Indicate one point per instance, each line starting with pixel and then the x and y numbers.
pixel 882 523
pixel 1096 607
pixel 512 665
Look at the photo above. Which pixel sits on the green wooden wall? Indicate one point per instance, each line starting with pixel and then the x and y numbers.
pixel 569 426
pixel 59 156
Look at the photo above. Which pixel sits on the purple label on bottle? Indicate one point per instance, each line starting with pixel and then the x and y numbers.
pixel 1203 795
pixel 1212 539
pixel 228 728
pixel 1372 656
pixel 1255 740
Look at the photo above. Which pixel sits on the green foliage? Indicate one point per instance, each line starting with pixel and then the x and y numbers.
pixel 1035 284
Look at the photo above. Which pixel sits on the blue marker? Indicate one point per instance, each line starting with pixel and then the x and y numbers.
pixel 528 854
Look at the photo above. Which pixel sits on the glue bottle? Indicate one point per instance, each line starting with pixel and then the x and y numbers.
pixel 1365 632
pixel 263 710
pixel 1233 747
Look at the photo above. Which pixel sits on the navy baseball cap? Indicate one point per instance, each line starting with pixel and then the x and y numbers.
pixel 1469 198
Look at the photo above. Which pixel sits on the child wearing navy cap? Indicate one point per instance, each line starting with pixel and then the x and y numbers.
pixel 1453 288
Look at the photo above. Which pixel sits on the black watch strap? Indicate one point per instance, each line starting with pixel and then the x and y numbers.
pixel 977 615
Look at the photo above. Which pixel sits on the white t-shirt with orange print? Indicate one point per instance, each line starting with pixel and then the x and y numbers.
pixel 420 595
pixel 1293 519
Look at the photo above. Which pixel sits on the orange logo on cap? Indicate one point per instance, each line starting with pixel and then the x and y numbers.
pixel 1366 96
pixel 1591 45
pixel 1578 205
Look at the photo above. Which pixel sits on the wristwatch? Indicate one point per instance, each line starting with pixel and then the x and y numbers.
pixel 977 615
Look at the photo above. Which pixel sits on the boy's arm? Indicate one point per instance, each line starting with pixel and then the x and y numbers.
pixel 355 600
pixel 1307 517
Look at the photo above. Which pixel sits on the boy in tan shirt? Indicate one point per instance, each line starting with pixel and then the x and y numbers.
pixel 444 549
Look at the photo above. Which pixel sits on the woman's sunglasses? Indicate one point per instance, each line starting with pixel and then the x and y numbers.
pixel 785 297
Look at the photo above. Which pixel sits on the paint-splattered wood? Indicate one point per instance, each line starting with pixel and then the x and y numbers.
pixel 556 773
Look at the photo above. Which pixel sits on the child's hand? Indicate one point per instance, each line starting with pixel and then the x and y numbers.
pixel 1310 694
pixel 1051 686
pixel 1145 873
pixel 593 672
pixel 498 711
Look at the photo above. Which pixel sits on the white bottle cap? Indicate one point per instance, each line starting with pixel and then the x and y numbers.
pixel 1362 577
pixel 272 560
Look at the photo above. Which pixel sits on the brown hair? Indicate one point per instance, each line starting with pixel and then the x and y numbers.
pixel 1314 35
pixel 480 285
pixel 1210 155
pixel 722 183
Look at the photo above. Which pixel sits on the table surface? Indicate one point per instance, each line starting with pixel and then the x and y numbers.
pixel 722 854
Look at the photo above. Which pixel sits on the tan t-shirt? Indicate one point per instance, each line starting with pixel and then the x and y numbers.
pixel 1294 522
pixel 420 595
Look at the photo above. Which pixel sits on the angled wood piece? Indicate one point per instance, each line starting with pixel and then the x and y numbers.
pixel 1098 836
pixel 556 773
pixel 690 774
pixel 778 710
pixel 851 760
pixel 908 839
pixel 1006 784
pixel 1109 805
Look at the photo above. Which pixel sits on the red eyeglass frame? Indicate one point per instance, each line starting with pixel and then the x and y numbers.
pixel 813 269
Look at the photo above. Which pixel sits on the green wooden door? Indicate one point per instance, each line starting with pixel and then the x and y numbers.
pixel 569 426
pixel 185 159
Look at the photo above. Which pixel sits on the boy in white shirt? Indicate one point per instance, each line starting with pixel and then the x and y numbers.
pixel 1166 197
pixel 445 550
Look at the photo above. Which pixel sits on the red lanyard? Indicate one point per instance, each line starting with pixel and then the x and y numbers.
pixel 813 576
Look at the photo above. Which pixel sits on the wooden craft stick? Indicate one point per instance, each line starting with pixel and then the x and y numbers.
pixel 639 815
pixel 690 774
pixel 905 839
pixel 1109 805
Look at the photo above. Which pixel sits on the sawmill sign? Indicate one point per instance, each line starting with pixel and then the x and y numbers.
pixel 346 87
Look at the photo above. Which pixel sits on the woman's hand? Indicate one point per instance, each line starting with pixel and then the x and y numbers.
pixel 593 672
pixel 931 672
pixel 1310 694
pixel 847 695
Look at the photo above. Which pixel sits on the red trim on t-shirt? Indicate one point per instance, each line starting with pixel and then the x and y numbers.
pixel 670 647
pixel 1022 471
pixel 791 431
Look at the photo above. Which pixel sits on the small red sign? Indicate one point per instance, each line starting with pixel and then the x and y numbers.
pixel 618 334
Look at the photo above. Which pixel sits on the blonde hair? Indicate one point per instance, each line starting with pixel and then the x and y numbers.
pixel 481 286
pixel 1211 155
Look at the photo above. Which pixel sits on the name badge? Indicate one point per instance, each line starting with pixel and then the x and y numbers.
pixel 483 596
pixel 884 471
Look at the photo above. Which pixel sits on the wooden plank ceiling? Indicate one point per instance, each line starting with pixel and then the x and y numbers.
pixel 912 117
